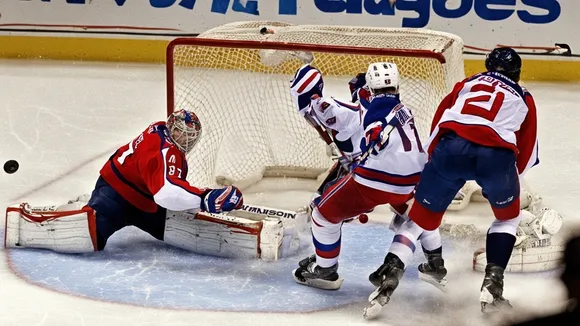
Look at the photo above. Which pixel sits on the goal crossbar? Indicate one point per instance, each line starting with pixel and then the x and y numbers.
pixel 283 46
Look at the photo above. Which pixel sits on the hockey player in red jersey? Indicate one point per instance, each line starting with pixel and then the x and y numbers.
pixel 139 183
pixel 484 130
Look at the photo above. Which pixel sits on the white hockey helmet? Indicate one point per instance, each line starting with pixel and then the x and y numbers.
pixel 185 129
pixel 382 75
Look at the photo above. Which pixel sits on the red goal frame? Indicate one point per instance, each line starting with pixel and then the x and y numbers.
pixel 261 45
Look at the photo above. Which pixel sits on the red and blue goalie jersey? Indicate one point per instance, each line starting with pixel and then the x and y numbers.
pixel 151 171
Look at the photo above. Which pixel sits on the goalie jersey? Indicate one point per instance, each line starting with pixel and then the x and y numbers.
pixel 491 110
pixel 397 166
pixel 151 171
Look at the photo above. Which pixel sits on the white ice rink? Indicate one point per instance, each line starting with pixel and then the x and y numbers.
pixel 62 121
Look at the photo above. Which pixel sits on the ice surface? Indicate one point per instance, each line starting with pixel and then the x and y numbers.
pixel 61 121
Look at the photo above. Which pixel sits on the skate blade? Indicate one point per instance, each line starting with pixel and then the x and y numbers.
pixel 318 283
pixel 373 310
pixel 495 307
pixel 441 285
pixel 489 305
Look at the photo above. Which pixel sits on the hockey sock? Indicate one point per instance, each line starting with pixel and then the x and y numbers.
pixel 404 241
pixel 499 248
pixel 431 240
pixel 327 238
pixel 500 241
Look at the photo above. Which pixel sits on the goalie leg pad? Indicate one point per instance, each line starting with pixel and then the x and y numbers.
pixel 253 232
pixel 543 256
pixel 66 231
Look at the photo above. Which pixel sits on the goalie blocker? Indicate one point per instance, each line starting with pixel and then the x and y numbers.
pixel 252 232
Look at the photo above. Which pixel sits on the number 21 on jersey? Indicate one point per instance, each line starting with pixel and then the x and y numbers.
pixel 486 105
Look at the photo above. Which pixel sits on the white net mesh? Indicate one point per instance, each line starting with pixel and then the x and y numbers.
pixel 241 95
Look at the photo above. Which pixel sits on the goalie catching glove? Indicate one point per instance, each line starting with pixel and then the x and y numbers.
pixel 222 200
pixel 359 91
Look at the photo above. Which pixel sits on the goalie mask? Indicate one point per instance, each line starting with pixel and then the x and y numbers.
pixel 185 129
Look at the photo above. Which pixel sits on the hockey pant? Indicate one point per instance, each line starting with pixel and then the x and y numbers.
pixel 456 160
pixel 113 213
pixel 344 200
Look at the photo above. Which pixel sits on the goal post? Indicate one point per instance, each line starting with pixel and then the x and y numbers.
pixel 251 127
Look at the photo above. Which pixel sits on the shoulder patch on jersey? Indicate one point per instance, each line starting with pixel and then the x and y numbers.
pixel 172 159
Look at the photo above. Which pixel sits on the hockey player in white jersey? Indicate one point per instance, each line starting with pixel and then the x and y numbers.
pixel 339 123
pixel 387 174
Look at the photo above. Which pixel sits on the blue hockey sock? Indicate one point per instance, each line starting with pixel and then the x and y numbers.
pixel 499 247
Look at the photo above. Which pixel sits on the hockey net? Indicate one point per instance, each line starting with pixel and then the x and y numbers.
pixel 237 81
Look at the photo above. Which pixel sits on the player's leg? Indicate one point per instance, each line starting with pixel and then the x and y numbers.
pixel 498 177
pixel 342 201
pixel 440 180
pixel 70 228
pixel 152 223
pixel 111 211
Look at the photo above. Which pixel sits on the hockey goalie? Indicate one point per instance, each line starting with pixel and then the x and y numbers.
pixel 143 184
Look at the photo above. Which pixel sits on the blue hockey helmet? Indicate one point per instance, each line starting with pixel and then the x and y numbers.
pixel 506 61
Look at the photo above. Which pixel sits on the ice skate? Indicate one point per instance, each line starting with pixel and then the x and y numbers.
pixel 491 296
pixel 434 271
pixel 386 279
pixel 310 274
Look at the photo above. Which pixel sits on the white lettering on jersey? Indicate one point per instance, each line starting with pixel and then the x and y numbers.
pixel 487 101
pixel 396 167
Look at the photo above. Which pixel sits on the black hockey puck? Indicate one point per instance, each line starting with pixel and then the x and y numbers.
pixel 11 166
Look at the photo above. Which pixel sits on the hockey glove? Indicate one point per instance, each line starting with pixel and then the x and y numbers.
pixel 355 84
pixel 222 200
pixel 372 138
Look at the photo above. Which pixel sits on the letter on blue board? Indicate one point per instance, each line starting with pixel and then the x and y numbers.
pixel 440 8
pixel 251 7
pixel 332 6
pixel 421 7
pixel 551 6
pixel 288 7
pixel 220 6
pixel 187 4
pixel 482 9
pixel 381 8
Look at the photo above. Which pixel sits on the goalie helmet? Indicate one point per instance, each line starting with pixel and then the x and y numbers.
pixel 185 129
pixel 382 75
pixel 306 83
pixel 506 61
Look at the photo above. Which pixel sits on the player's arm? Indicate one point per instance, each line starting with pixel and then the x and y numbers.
pixel 166 180
pixel 527 137
pixel 358 90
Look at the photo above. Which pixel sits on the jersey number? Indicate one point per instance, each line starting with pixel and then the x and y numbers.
pixel 489 105
pixel 407 145
pixel 172 171
pixel 126 154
